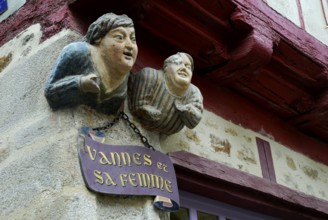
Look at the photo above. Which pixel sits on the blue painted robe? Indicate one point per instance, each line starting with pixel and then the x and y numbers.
pixel 63 86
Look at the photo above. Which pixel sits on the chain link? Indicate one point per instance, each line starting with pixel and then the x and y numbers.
pixel 109 125
pixel 136 130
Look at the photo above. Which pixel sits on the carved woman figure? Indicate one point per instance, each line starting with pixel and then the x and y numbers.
pixel 95 72
pixel 165 100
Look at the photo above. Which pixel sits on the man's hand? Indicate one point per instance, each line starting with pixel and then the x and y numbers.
pixel 90 83
pixel 182 108
pixel 149 113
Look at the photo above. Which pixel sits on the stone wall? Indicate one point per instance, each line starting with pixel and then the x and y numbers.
pixel 39 169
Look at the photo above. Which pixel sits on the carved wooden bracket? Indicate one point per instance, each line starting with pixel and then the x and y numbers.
pixel 315 121
pixel 251 53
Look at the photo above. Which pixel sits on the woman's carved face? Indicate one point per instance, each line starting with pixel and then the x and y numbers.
pixel 119 48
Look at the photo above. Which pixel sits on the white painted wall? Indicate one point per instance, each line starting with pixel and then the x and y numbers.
pixel 287 8
pixel 218 140
pixel 298 172
pixel 314 19
pixel 213 134
pixel 312 13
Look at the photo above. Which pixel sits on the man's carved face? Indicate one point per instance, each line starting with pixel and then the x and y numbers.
pixel 119 48
pixel 179 72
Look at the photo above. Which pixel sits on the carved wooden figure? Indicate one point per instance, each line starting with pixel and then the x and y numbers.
pixel 95 72
pixel 165 101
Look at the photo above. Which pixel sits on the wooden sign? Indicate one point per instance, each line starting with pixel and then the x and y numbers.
pixel 128 170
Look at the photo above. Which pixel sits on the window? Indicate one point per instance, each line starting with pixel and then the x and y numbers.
pixel 194 207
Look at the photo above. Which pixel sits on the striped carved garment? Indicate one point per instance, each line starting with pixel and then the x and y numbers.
pixel 157 109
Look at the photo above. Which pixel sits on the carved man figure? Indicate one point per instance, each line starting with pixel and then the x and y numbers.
pixel 95 72
pixel 165 100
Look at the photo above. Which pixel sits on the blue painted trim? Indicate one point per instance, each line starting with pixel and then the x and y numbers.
pixel 3 6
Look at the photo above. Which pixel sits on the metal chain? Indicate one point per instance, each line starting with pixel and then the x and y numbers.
pixel 125 117
pixel 109 125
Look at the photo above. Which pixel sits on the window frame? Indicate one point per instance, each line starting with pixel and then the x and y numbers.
pixel 216 181
pixel 222 210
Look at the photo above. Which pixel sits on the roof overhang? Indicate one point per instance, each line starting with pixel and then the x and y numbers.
pixel 243 45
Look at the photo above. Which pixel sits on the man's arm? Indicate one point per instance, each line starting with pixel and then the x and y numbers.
pixel 191 109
